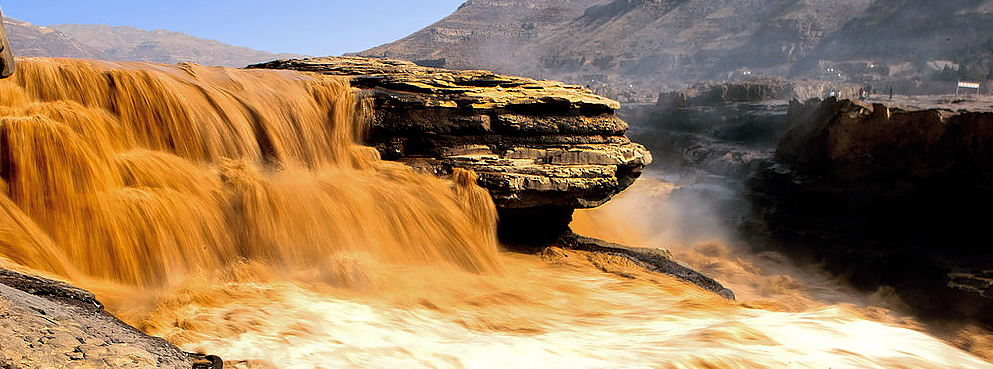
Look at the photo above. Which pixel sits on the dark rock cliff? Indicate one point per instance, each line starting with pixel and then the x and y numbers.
pixel 888 197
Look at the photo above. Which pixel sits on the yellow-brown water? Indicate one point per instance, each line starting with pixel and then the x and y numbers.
pixel 233 212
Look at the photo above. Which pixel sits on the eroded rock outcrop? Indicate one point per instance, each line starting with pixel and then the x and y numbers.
pixel 49 324
pixel 541 148
pixel 888 196
pixel 626 43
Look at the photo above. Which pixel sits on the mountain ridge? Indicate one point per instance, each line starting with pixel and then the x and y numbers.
pixel 126 43
pixel 664 44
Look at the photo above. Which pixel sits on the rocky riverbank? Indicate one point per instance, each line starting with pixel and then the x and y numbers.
pixel 50 324
pixel 887 192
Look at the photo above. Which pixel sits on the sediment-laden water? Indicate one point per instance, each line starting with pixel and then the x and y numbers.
pixel 234 212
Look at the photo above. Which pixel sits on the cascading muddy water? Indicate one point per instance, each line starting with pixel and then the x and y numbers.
pixel 233 211
pixel 140 174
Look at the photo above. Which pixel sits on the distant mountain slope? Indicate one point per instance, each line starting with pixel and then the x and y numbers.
pixel 27 39
pixel 918 31
pixel 659 43
pixel 162 46
pixel 128 43
pixel 484 33
pixel 625 41
pixel 688 40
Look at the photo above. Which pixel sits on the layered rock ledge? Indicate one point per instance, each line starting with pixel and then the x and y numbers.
pixel 541 148
pixel 888 196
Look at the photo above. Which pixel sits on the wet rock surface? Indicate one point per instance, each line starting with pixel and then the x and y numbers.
pixel 888 196
pixel 49 324
pixel 534 144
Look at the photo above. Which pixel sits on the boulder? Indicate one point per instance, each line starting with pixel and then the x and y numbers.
pixel 538 146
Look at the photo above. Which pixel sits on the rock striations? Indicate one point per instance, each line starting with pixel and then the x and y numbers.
pixel 541 148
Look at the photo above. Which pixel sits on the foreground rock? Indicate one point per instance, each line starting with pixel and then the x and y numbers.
pixel 541 148
pixel 888 197
pixel 48 324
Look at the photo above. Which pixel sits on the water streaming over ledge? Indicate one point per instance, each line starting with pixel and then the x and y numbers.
pixel 140 174
pixel 233 212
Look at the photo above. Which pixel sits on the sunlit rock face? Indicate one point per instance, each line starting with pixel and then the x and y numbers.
pixel 541 148
pixel 889 196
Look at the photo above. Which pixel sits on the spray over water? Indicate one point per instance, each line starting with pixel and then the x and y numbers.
pixel 234 212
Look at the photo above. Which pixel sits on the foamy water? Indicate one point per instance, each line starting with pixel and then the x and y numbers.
pixel 580 318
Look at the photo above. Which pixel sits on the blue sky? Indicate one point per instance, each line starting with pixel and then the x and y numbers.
pixel 309 27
